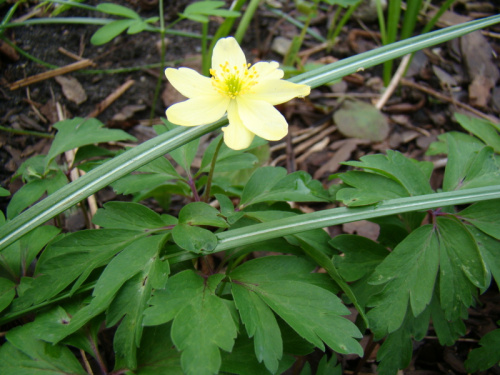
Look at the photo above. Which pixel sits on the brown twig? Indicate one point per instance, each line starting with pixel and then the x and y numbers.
pixel 111 98
pixel 50 74
pixel 436 94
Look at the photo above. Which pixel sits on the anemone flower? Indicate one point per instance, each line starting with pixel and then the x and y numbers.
pixel 247 93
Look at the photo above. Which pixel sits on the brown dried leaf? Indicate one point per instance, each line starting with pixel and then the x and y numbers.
pixel 72 89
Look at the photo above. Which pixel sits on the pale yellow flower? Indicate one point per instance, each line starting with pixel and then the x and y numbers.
pixel 247 93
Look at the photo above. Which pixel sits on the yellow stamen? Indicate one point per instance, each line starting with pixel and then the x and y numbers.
pixel 231 81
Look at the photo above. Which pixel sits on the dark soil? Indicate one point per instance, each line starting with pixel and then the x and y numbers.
pixel 416 118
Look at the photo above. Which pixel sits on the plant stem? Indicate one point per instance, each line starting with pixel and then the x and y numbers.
pixel 162 63
pixel 206 194
pixel 26 132
pixel 246 19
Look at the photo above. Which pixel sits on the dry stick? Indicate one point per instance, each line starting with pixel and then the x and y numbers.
pixel 77 173
pixel 74 56
pixel 394 82
pixel 51 73
pixel 111 98
pixel 448 99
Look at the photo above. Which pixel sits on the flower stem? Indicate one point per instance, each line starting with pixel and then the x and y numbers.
pixel 206 194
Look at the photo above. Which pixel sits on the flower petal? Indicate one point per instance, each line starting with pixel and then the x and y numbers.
pixel 236 135
pixel 262 118
pixel 268 70
pixel 227 50
pixel 277 91
pixel 198 111
pixel 189 82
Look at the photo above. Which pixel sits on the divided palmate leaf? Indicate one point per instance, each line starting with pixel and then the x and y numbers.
pixel 410 272
pixel 24 355
pixel 136 258
pixel 469 165
pixel 273 184
pixel 484 216
pixel 313 312
pixel 78 132
pixel 387 177
pixel 202 322
pixel 131 216
pixel 484 130
pixel 487 355
pixel 490 251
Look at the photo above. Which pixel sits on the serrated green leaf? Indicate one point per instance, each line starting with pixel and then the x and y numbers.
pixel 7 292
pixel 135 258
pixel 411 174
pixel 78 132
pixel 469 165
pixel 17 258
pixel 117 10
pixel 260 324
pixel 202 321
pixel 368 188
pixel 490 251
pixel 33 190
pixel 488 355
pixel 200 213
pixel 157 354
pixel 130 301
pixel 23 355
pixel 133 216
pixel 313 312
pixel 195 239
pixel 273 184
pixel 482 129
pixel 461 266
pixel 410 273
pixel 448 331
pixel 360 256
pixel 74 257
pixel 484 216
pixel 242 360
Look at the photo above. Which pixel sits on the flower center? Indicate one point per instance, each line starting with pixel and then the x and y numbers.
pixel 232 81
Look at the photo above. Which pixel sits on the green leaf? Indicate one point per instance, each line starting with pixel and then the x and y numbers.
pixel 461 266
pixel 17 258
pixel 261 324
pixel 183 155
pixel 78 132
pixel 448 331
pixel 410 273
pixel 360 256
pixel 195 239
pixel 4 192
pixel 72 257
pixel 273 184
pixel 202 321
pixel 33 190
pixel 487 356
pixel 313 312
pixel 157 353
pixel 131 301
pixel 133 216
pixel 368 188
pixel 490 251
pixel 484 216
pixel 117 10
pixel 411 174
pixel 242 359
pixel 7 292
pixel 137 27
pixel 484 130
pixel 110 31
pixel 25 355
pixel 207 8
pixel 469 165
pixel 200 213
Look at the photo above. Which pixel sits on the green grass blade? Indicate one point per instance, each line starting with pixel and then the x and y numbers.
pixel 320 219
